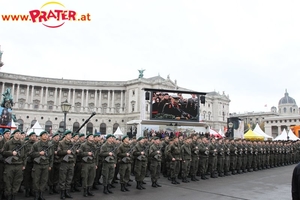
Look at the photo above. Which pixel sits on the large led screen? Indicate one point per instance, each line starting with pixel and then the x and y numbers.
pixel 174 106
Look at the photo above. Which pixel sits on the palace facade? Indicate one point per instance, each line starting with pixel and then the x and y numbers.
pixel 115 102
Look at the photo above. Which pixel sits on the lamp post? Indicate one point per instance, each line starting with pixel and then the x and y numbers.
pixel 65 107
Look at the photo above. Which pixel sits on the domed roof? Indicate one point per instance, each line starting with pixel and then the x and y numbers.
pixel 286 99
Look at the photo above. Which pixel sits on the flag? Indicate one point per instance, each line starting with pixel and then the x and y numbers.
pixel 266 105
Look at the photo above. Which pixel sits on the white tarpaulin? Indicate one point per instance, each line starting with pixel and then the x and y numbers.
pixel 260 132
pixel 36 128
pixel 118 132
pixel 284 136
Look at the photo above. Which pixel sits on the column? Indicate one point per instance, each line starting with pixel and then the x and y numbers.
pixel 69 95
pixel 17 95
pixel 46 97
pixel 73 100
pixel 31 100
pixel 121 107
pixel 60 92
pixel 100 103
pixel 3 88
pixel 108 101
pixel 82 98
pixel 13 90
pixel 55 98
pixel 96 94
pixel 125 102
pixel 113 102
pixel 42 94
pixel 87 98
pixel 27 96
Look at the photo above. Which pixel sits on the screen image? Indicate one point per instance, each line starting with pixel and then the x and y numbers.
pixel 174 106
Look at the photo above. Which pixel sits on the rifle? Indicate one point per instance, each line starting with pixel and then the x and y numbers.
pixel 9 159
pixel 86 158
pixel 86 121
pixel 158 156
pixel 66 157
pixel 38 159
pixel 109 158
pixel 140 157
pixel 126 159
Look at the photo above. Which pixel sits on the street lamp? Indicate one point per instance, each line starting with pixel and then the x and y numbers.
pixel 65 107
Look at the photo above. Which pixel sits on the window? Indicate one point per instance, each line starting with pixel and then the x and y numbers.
pixel 133 92
pixel 103 128
pixel 104 108
pixel 21 124
pixel 22 91
pixel 65 94
pixel 78 95
pixel 48 126
pixel 51 94
pixel 21 103
pixel 36 104
pixel 75 126
pixel 92 95
pixel 37 92
pixel 89 128
pixel 117 106
pixel 115 127
pixel 291 109
pixel 209 115
pixel 61 126
pixel 132 106
pixel 284 110
pixel 50 105
pixel 208 105
pixel 91 107
pixel 77 107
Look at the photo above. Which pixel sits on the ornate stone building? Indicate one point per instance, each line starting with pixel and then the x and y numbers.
pixel 115 102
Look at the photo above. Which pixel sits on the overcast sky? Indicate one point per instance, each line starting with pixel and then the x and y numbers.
pixel 249 49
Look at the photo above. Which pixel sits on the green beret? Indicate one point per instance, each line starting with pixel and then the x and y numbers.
pixel 26 138
pixel 11 136
pixel 96 135
pixel 67 132
pixel 124 137
pixel 140 138
pixel 43 132
pixel 62 137
pixel 22 132
pixel 75 134
pixel 55 134
pixel 81 135
pixel 6 131
pixel 109 135
pixel 88 135
pixel 156 138
pixel 32 133
pixel 15 131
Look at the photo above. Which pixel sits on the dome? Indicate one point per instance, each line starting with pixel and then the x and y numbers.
pixel 286 99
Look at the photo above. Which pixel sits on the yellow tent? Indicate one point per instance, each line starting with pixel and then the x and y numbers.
pixel 250 135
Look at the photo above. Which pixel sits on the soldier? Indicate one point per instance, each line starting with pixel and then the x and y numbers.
pixel 213 158
pixel 163 161
pixel 124 158
pixel 6 136
pixel 204 155
pixel 195 158
pixel 132 144
pixel 78 165
pixel 109 162
pixel 240 151
pixel 255 156
pixel 220 157
pixel 250 156
pixel 186 154
pixel 13 151
pixel 227 157
pixel 68 158
pixel 175 155
pixel 98 142
pixel 42 156
pixel 155 157
pixel 140 153
pixel 244 156
pixel 233 156
pixel 168 159
pixel 89 154
pixel 54 173
pixel 29 165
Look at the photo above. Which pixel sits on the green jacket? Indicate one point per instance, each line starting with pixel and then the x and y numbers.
pixel 87 147
pixel 175 151
pixel 153 152
pixel 11 146
pixel 122 154
pixel 104 152
pixel 46 159
pixel 63 147
pixel 186 152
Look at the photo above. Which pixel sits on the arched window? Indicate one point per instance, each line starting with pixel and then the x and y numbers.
pixel 115 126
pixel 291 109
pixel 21 124
pixel 89 128
pixel 103 128
pixel 61 126
pixel 284 110
pixel 48 126
pixel 32 123
pixel 75 126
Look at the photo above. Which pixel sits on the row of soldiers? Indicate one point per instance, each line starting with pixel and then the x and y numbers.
pixel 78 160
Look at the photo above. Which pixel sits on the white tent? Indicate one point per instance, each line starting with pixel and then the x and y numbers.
pixel 36 128
pixel 13 125
pixel 118 132
pixel 284 135
pixel 258 131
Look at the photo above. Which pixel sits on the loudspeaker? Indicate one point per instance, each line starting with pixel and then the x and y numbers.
pixel 147 96
pixel 202 99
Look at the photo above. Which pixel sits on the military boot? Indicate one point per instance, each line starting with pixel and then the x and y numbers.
pixel 50 190
pixel 41 195
pixel 153 185
pixel 108 190
pixel 27 193
pixel 157 185
pixel 68 195
pixel 193 178
pixel 36 196
pixel 141 184
pixel 13 197
pixel 138 185
pixel 75 188
pixel 123 187
pixel 62 194
pixel 55 190
pixel 85 192
pixel 89 191
pixel 173 181
pixel 95 187
pixel 105 190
